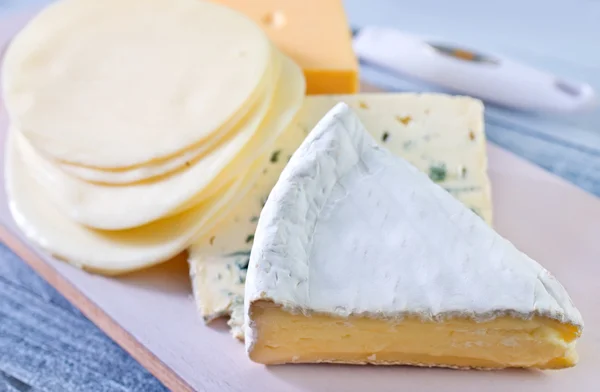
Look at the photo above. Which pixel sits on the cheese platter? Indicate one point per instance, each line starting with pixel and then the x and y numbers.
pixel 159 315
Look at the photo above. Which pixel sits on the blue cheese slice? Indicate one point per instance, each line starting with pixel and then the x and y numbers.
pixel 219 261
pixel 441 135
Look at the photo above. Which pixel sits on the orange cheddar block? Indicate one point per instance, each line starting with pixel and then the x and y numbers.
pixel 315 33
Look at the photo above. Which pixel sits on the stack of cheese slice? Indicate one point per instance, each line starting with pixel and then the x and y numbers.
pixel 441 135
pixel 135 124
pixel 360 258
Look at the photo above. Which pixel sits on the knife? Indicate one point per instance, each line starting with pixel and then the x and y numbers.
pixel 495 79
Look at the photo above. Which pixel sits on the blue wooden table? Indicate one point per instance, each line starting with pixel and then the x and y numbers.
pixel 47 345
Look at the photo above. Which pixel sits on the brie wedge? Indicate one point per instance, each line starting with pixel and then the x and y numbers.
pixel 360 258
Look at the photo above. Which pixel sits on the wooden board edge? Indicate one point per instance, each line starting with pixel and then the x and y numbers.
pixel 94 313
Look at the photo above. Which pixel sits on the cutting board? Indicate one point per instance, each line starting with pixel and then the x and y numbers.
pixel 152 313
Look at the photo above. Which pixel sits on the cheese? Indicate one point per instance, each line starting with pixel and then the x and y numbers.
pixel 114 252
pixel 108 252
pixel 361 340
pixel 111 252
pixel 162 167
pixel 121 207
pixel 137 80
pixel 360 258
pixel 441 135
pixel 432 131
pixel 218 260
pixel 315 34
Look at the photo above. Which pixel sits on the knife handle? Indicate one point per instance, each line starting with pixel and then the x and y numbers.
pixel 491 78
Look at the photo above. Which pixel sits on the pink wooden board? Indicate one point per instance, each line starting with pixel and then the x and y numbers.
pixel 152 313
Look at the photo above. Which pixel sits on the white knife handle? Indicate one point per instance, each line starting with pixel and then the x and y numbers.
pixel 493 79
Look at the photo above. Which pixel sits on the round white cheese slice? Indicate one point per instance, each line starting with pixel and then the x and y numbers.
pixel 109 252
pixel 287 104
pixel 122 207
pixel 161 167
pixel 113 83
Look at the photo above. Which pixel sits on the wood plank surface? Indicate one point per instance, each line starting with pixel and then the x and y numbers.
pixel 48 345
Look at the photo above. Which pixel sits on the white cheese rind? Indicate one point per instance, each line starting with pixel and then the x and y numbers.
pixel 350 229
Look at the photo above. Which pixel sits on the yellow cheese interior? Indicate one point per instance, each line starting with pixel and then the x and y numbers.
pixel 283 337
pixel 314 33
